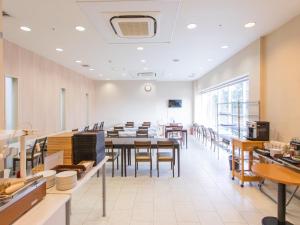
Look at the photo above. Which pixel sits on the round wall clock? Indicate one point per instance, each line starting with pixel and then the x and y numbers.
pixel 147 87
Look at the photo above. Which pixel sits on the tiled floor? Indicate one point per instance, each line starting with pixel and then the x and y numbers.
pixel 204 194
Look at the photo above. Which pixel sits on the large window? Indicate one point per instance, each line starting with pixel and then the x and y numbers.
pixel 207 100
pixel 11 103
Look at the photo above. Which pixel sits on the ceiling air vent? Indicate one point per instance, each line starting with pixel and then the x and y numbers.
pixel 146 75
pixel 134 26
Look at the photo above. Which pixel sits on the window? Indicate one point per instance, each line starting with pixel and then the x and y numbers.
pixel 63 109
pixel 206 103
pixel 11 103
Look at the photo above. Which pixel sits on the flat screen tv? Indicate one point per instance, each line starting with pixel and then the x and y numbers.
pixel 175 103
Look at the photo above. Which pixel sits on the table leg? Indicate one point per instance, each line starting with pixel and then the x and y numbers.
pixel 103 190
pixel 125 166
pixel 243 169
pixel 68 212
pixel 178 160
pixel 122 161
pixel 233 162
pixel 281 209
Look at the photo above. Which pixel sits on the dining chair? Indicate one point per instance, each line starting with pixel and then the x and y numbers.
pixel 86 128
pixel 75 130
pixel 119 128
pixel 177 134
pixel 112 155
pixel 146 124
pixel 165 153
pixel 33 153
pixel 142 150
pixel 129 124
pixel 112 133
pixel 95 127
pixel 101 125
pixel 142 133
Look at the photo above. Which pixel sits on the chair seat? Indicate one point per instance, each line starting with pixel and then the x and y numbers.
pixel 143 156
pixel 165 156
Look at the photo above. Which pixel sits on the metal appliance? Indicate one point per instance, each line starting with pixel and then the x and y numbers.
pixel 258 131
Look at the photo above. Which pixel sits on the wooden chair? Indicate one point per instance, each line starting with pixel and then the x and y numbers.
pixel 146 124
pixel 165 153
pixel 177 134
pixel 129 124
pixel 86 128
pixel 113 156
pixel 142 133
pixel 118 128
pixel 112 133
pixel 95 127
pixel 142 154
pixel 101 125
pixel 36 152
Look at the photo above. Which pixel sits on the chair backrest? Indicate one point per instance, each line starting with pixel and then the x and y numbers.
pixel 95 127
pixel 165 145
pixel 211 133
pixel 86 128
pixel 129 124
pixel 142 145
pixel 203 130
pixel 112 133
pixel 117 128
pixel 101 125
pixel 146 124
pixel 74 130
pixel 33 149
pixel 142 133
pixel 43 143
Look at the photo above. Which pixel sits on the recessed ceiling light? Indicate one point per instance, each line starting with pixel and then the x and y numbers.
pixel 91 69
pixel 59 49
pixel 78 61
pixel 191 26
pixel 143 60
pixel 80 28
pixel 140 48
pixel 225 46
pixel 249 25
pixel 209 60
pixel 24 28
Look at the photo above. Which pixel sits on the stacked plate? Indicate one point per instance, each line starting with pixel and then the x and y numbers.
pixel 50 177
pixel 66 180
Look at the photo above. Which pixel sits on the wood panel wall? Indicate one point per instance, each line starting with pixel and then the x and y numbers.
pixel 40 81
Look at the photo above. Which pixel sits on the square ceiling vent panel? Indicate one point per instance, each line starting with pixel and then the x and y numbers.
pixel 134 26
pixel 129 22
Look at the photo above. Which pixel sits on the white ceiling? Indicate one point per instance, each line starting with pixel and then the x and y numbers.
pixel 53 26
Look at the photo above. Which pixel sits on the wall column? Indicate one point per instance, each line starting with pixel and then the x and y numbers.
pixel 1 71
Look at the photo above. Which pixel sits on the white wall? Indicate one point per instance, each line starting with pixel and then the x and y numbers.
pixel 121 101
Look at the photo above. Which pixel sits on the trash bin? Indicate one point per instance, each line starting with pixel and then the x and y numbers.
pixel 236 164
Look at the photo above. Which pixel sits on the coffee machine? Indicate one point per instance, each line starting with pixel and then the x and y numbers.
pixel 258 131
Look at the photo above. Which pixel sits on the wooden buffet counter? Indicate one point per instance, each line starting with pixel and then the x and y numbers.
pixel 245 148
pixel 62 142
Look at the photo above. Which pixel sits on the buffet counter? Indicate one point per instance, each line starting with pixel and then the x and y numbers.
pixel 51 210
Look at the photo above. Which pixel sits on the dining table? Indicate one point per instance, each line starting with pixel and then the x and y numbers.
pixel 125 144
pixel 184 131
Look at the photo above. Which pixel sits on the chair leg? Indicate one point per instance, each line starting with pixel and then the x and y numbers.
pixel 113 167
pixel 135 168
pixel 157 168
pixel 151 168
pixel 32 163
pixel 14 166
pixel 172 168
pixel 118 163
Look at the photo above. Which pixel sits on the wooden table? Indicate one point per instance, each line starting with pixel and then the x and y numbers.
pixel 244 146
pixel 282 176
pixel 126 144
pixel 81 182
